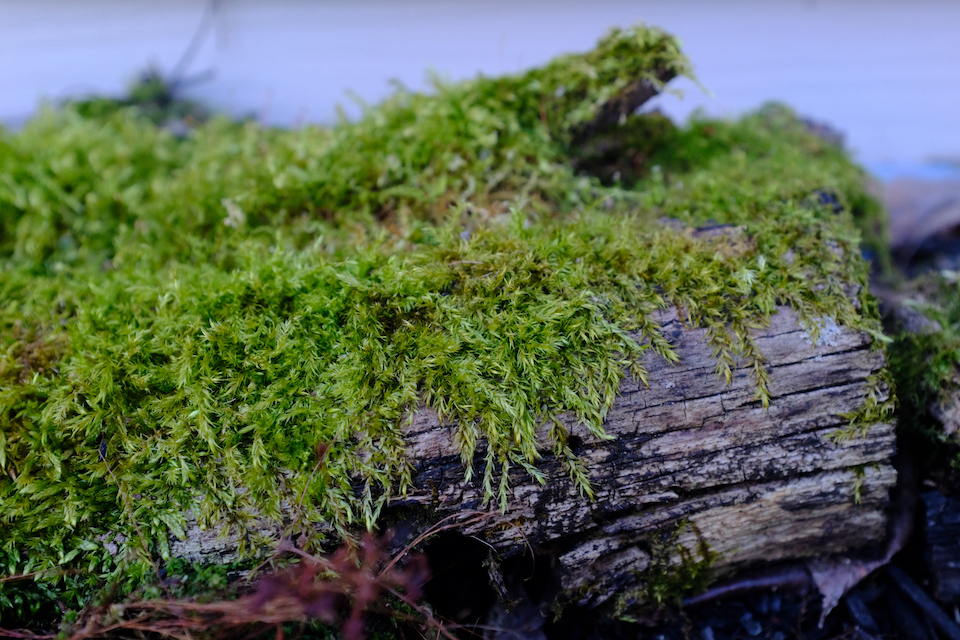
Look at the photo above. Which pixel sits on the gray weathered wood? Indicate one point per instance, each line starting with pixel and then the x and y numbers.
pixel 691 458
pixel 755 485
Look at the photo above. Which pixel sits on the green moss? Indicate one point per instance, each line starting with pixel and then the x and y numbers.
pixel 80 191
pixel 674 572
pixel 186 322
pixel 880 405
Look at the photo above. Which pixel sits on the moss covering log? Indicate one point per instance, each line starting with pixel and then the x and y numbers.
pixel 687 452
pixel 259 332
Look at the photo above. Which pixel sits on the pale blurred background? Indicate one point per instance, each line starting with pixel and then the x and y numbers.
pixel 885 73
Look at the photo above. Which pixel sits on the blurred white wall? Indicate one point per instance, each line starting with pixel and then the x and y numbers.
pixel 885 72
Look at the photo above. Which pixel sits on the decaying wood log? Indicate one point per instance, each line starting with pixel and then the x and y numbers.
pixel 692 461
pixel 694 456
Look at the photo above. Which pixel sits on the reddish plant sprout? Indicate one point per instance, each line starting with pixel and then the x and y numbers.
pixel 350 579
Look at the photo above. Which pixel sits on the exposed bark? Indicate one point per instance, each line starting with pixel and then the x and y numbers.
pixel 692 461
pixel 618 107
pixel 755 485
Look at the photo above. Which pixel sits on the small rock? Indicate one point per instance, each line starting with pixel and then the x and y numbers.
pixel 750 625
pixel 942 533
pixel 776 602
pixel 861 613
pixel 828 200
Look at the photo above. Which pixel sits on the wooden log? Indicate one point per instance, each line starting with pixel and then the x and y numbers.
pixel 691 461
pixel 697 462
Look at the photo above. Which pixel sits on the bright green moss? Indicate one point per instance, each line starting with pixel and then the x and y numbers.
pixel 78 192
pixel 200 316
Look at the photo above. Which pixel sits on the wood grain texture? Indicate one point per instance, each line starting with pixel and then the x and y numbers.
pixel 690 458
pixel 754 484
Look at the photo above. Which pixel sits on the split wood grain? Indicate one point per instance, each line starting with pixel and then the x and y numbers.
pixel 754 484
pixel 690 457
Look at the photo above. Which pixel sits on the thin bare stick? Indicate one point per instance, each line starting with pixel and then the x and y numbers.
pixel 427 615
pixel 303 494
pixel 284 545
pixel 10 633
pixel 26 576
pixel 473 518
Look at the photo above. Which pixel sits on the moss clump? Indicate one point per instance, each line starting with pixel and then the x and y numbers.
pixel 186 322
pixel 674 571
pixel 925 362
pixel 152 97
pixel 80 192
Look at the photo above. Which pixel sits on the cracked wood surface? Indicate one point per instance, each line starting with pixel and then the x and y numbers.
pixel 690 457
pixel 695 456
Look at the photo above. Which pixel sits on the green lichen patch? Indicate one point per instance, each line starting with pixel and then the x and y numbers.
pixel 188 321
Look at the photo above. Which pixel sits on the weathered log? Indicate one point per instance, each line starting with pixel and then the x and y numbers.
pixel 697 462
pixel 692 463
